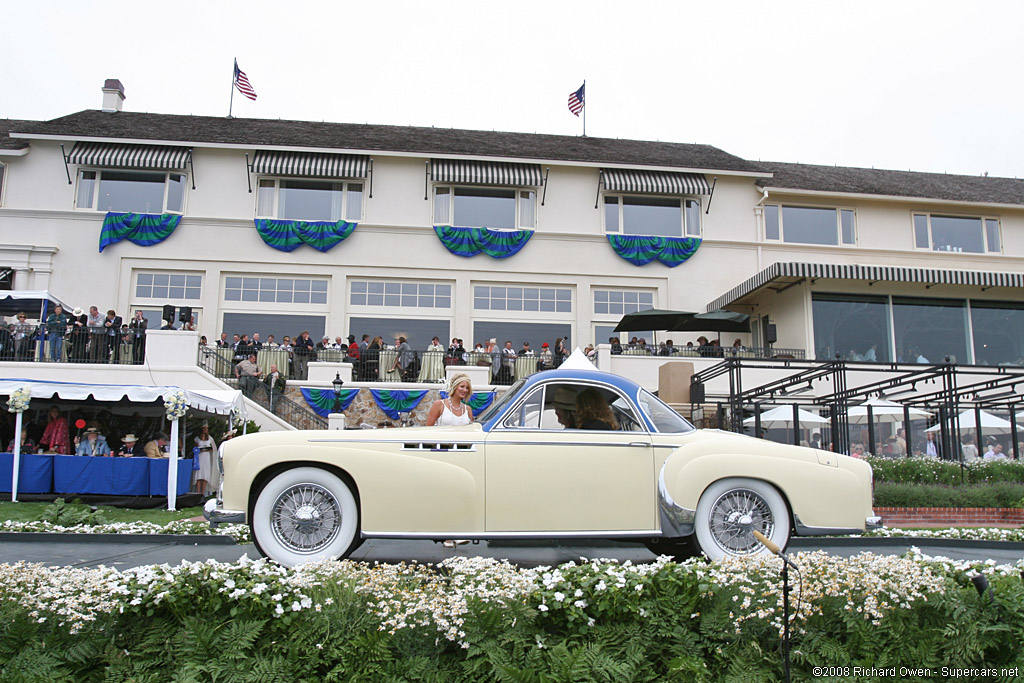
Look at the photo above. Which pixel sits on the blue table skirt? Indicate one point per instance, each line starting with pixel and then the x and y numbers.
pixel 34 476
pixel 116 476
pixel 158 476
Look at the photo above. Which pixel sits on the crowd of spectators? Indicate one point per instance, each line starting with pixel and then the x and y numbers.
pixel 77 336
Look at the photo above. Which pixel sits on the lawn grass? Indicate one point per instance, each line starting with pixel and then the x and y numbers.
pixel 30 512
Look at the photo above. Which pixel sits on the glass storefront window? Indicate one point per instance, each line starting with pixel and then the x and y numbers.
pixel 929 330
pixel 851 327
pixel 998 329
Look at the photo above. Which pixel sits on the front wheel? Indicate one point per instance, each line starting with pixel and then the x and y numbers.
pixel 730 510
pixel 305 514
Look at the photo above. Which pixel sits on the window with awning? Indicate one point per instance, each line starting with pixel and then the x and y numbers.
pixel 662 203
pixel 118 155
pixel 141 179
pixel 310 164
pixel 485 194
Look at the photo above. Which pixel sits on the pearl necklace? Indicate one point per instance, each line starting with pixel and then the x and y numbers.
pixel 459 412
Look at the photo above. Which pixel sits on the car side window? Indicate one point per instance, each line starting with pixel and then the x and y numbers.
pixel 527 414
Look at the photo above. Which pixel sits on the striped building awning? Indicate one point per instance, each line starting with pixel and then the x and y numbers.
pixel 485 173
pixel 116 155
pixel 310 164
pixel 792 273
pixel 653 182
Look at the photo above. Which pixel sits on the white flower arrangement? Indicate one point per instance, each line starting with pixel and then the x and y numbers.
pixel 176 405
pixel 19 400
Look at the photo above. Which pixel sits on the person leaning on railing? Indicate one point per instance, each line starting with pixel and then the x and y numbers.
pixel 56 327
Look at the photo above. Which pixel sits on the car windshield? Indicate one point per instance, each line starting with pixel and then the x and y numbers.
pixel 664 418
pixel 499 404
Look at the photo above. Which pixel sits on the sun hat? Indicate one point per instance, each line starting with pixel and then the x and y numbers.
pixel 91 430
pixel 563 398
pixel 77 311
pixel 129 438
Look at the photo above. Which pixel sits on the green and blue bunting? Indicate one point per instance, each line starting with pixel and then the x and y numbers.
pixel 472 241
pixel 290 235
pixel 143 229
pixel 322 400
pixel 478 401
pixel 395 401
pixel 642 249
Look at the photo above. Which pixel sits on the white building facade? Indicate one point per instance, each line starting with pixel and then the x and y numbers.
pixel 854 262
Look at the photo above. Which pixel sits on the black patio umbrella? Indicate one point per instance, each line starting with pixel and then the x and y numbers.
pixel 652 319
pixel 714 321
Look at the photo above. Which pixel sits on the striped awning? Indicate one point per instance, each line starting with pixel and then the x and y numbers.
pixel 117 155
pixel 780 272
pixel 310 164
pixel 485 173
pixel 653 182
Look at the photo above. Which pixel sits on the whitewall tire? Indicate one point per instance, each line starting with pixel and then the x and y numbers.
pixel 305 514
pixel 730 510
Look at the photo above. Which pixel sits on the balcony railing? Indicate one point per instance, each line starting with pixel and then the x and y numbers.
pixel 716 352
pixel 45 344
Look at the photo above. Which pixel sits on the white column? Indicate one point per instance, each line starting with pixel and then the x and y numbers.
pixel 16 457
pixel 172 467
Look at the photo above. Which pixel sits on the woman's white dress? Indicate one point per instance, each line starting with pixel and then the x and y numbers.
pixel 450 419
pixel 206 448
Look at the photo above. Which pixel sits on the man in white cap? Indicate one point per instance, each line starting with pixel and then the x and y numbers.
pixel 130 447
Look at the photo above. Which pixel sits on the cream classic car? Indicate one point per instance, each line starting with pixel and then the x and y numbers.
pixel 519 472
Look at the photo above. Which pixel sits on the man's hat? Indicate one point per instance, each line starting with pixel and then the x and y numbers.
pixel 129 438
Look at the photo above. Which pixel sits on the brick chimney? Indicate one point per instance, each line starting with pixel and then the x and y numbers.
pixel 113 95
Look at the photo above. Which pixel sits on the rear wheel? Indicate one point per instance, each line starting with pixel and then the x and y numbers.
pixel 730 510
pixel 305 514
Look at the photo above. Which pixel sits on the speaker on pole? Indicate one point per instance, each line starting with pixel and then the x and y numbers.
pixel 168 314
pixel 186 314
pixel 771 333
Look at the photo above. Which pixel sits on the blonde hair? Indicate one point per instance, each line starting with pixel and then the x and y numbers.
pixel 457 379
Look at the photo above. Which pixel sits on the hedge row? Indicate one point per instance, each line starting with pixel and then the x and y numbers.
pixel 997 495
pixel 920 470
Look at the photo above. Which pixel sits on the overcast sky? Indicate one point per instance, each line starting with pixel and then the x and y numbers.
pixel 926 86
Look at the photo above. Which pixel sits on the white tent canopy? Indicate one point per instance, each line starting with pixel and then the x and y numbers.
pixel 782 416
pixel 883 411
pixel 990 424
pixel 31 301
pixel 219 402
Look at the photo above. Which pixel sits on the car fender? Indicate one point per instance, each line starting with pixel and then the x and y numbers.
pixel 819 496
pixel 397 491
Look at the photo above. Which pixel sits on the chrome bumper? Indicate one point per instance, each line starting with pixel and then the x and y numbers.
pixel 873 522
pixel 214 514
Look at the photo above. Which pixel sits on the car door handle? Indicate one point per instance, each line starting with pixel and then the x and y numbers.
pixel 639 444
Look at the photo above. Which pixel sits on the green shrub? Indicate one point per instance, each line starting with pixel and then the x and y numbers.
pixel 999 495
pixel 933 471
pixel 71 514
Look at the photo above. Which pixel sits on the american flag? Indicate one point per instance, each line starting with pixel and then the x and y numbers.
pixel 242 83
pixel 575 100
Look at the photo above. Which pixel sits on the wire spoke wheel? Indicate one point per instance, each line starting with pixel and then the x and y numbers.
pixel 734 517
pixel 306 518
pixel 304 514
pixel 731 510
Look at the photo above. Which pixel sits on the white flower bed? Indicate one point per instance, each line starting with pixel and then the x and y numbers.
pixel 240 532
pixel 978 534
pixel 439 598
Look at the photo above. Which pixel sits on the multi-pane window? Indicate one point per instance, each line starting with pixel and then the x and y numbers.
pixel 540 299
pixel 275 290
pixel 809 225
pixel 400 294
pixel 309 200
pixel 131 191
pixel 642 215
pixel 166 286
pixel 485 207
pixel 971 234
pixel 620 302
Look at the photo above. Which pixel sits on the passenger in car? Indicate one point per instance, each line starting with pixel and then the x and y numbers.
pixel 593 412
pixel 564 402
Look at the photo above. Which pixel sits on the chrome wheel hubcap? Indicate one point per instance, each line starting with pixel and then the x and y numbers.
pixel 306 518
pixel 735 516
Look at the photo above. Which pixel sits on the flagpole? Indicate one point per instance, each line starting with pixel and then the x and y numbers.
pixel 231 106
pixel 584 107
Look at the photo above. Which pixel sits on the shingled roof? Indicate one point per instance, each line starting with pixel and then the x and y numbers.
pixel 408 139
pixel 844 180
pixel 7 125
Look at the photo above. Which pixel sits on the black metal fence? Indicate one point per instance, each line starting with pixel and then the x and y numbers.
pixel 73 344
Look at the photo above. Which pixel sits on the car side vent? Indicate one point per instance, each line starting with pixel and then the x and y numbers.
pixel 439 447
